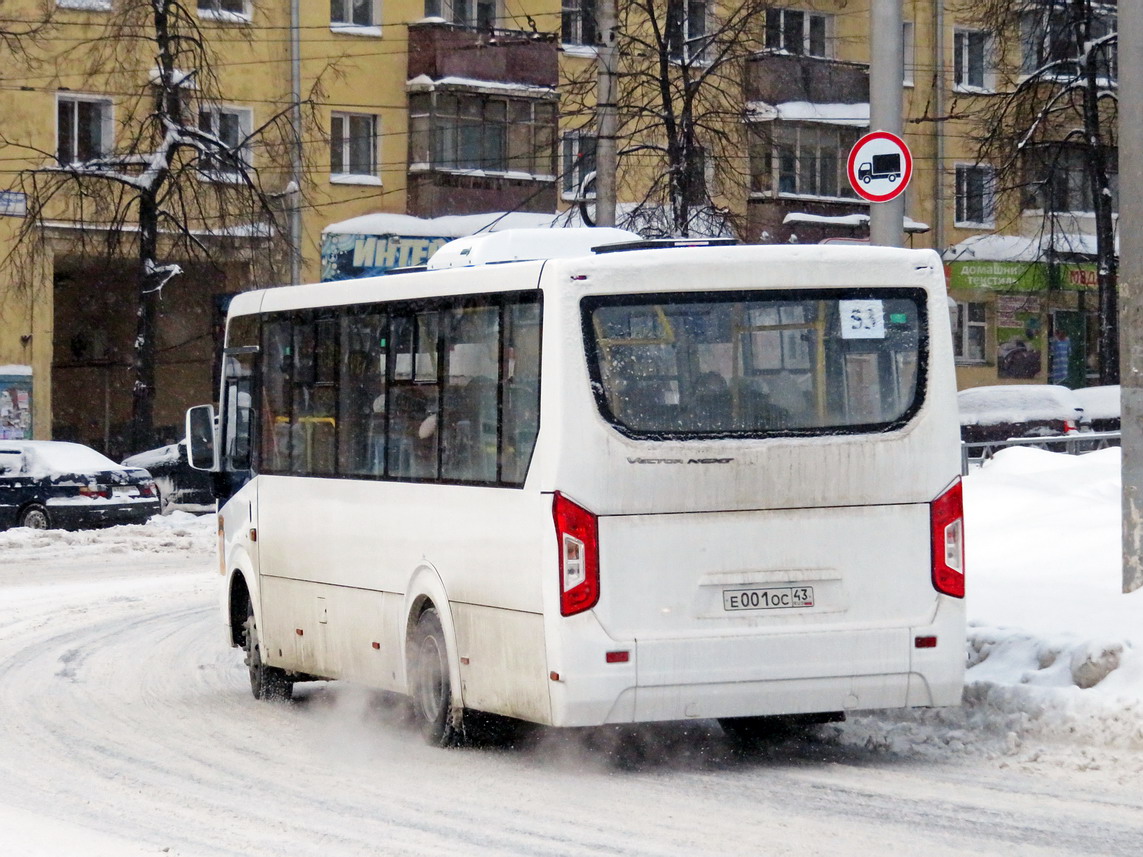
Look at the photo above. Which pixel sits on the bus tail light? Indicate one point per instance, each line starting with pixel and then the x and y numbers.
pixel 577 535
pixel 947 519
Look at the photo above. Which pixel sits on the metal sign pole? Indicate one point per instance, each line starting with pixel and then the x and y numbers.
pixel 886 73
pixel 1131 286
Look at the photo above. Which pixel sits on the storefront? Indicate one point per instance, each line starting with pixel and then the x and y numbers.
pixel 1023 321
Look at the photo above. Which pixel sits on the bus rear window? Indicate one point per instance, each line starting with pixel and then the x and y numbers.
pixel 757 363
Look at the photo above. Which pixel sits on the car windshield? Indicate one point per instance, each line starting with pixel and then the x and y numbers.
pixel 757 363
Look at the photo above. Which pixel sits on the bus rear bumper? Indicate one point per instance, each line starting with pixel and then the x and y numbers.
pixel 806 673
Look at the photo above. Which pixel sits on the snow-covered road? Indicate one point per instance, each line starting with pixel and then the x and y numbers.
pixel 127 728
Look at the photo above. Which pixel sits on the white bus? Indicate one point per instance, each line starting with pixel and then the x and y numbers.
pixel 632 485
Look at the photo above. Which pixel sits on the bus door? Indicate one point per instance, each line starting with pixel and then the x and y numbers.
pixel 237 513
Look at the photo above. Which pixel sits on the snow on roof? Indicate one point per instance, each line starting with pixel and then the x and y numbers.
pixel 151 457
pixel 1099 403
pixel 1019 248
pixel 806 111
pixel 1016 403
pixel 53 456
pixel 424 83
pixel 847 220
pixel 449 226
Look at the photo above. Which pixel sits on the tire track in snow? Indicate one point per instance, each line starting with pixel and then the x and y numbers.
pixel 123 711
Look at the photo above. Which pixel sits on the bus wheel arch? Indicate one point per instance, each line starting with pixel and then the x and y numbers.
pixel 429 630
pixel 239 603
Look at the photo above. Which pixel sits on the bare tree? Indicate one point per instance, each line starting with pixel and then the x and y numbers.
pixel 1050 130
pixel 19 35
pixel 681 140
pixel 178 185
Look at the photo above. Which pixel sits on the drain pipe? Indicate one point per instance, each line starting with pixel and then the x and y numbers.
pixel 938 42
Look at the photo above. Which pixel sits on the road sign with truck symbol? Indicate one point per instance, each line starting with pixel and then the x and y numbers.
pixel 879 166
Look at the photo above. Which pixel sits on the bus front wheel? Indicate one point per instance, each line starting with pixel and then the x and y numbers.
pixel 429 683
pixel 266 682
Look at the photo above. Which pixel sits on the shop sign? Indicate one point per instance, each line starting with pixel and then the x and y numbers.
pixel 347 256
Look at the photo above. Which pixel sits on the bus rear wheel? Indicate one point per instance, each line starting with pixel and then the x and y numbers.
pixel 429 684
pixel 266 682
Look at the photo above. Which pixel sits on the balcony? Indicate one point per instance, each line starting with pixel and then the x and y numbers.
pixel 482 120
pixel 438 50
pixel 781 78
pixel 806 113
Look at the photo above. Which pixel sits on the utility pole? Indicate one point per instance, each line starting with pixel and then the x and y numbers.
pixel 293 198
pixel 606 119
pixel 1131 286
pixel 886 75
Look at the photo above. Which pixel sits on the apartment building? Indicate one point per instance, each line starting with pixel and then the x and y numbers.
pixel 419 114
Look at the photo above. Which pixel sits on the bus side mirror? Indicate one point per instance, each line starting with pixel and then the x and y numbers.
pixel 201 451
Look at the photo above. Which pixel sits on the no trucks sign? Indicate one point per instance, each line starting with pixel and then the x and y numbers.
pixel 879 166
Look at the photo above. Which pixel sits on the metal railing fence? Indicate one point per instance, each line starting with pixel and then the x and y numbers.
pixel 1075 443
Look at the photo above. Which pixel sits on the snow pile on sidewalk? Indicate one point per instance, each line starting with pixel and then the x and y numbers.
pixel 1046 606
pixel 177 533
pixel 1053 643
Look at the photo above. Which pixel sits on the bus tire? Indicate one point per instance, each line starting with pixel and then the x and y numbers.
pixel 430 686
pixel 35 517
pixel 266 682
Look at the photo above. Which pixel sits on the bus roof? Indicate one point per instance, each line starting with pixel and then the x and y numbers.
pixel 766 265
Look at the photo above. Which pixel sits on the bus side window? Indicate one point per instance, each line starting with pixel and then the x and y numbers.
pixel 414 398
pixel 469 406
pixel 277 369
pixel 521 391
pixel 361 395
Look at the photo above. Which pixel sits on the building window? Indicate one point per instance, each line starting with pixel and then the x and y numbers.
pixel 473 131
pixel 578 25
pixel 793 31
pixel 470 13
pixel 1059 179
pixel 578 161
pixel 803 160
pixel 223 9
pixel 1048 39
pixel 687 38
pixel 354 13
pixel 231 125
pixel 971 49
pixel 975 202
pixel 83 132
pixel 353 145
pixel 969 332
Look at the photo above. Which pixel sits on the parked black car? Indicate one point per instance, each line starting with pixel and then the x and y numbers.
pixel 1018 410
pixel 179 485
pixel 46 483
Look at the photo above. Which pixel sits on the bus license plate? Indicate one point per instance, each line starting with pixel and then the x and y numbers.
pixel 768 599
